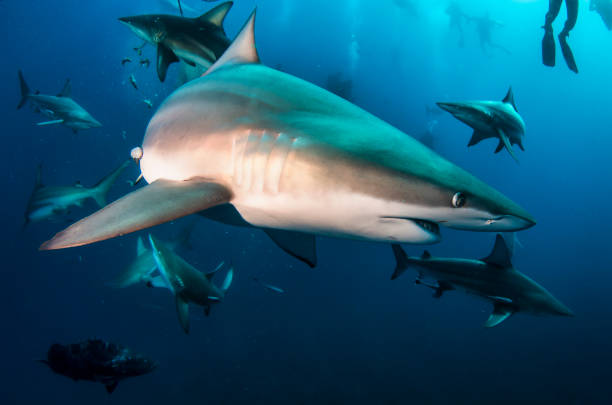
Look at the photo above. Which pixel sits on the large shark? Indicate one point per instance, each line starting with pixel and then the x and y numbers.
pixel 491 119
pixel 492 278
pixel 62 109
pixel 188 284
pixel 265 148
pixel 195 41
pixel 50 201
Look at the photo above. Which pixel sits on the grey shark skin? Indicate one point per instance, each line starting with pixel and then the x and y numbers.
pixel 188 284
pixel 50 201
pixel 196 41
pixel 491 119
pixel 61 109
pixel 287 155
pixel 492 278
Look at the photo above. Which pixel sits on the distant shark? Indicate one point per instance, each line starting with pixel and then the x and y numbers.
pixel 62 109
pixel 196 41
pixel 248 144
pixel 188 284
pixel 491 119
pixel 492 278
pixel 50 201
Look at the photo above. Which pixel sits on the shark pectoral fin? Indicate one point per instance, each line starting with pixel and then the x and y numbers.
pixel 401 260
pixel 500 146
pixel 211 274
pixel 500 313
pixel 159 202
pixel 157 282
pixel 140 246
pixel 504 138
pixel 228 280
pixel 165 57
pixel 110 386
pixel 478 136
pixel 300 245
pixel 40 124
pixel 182 310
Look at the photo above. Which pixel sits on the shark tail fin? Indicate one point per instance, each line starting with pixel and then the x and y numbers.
pixel 401 261
pixel 101 189
pixel 228 280
pixel 25 90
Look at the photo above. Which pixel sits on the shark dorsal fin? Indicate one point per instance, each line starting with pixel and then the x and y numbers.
pixel 140 246
pixel 38 182
pixel 67 90
pixel 426 255
pixel 242 50
pixel 500 256
pixel 509 99
pixel 216 15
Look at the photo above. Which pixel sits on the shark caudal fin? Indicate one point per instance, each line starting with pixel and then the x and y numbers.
pixel 401 261
pixel 25 90
pixel 100 190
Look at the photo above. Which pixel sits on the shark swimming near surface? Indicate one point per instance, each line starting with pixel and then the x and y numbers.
pixel 249 144
pixel 51 201
pixel 491 119
pixel 62 109
pixel 492 278
pixel 196 41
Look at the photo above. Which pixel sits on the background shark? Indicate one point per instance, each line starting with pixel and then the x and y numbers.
pixel 196 41
pixel 288 155
pixel 50 201
pixel 188 284
pixel 491 119
pixel 492 278
pixel 62 109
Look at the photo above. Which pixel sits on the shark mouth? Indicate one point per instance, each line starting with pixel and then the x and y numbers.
pixel 428 226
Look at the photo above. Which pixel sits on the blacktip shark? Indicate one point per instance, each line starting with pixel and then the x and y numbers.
pixel 247 143
pixel 62 109
pixel 491 119
pixel 492 278
pixel 195 41
pixel 188 284
pixel 50 201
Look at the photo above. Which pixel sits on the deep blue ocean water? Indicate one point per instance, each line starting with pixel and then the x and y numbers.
pixel 343 332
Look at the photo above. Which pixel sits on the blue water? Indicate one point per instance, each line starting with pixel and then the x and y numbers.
pixel 343 332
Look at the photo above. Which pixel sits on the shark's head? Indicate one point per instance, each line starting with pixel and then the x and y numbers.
pixel 150 28
pixel 539 301
pixel 81 119
pixel 485 115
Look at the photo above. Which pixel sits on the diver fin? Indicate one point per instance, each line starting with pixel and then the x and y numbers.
pixel 504 138
pixel 165 57
pixel 182 310
pixel 40 124
pixel 159 202
pixel 509 99
pixel 228 280
pixel 100 190
pixel 110 386
pixel 568 55
pixel 548 47
pixel 401 260
pixel 478 136
pixel 217 15
pixel 25 90
pixel 67 90
pixel 242 50
pixel 500 313
pixel 140 246
pixel 300 245
pixel 501 255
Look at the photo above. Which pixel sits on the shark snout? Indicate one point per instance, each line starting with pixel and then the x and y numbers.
pixel 454 108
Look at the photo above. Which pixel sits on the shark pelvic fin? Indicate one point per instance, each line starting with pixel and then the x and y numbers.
pixel 300 245
pixel 242 50
pixel 504 139
pixel 67 90
pixel 217 15
pixel 500 256
pixel 159 202
pixel 401 261
pixel 500 313
pixel 478 136
pixel 182 310
pixel 509 99
pixel 165 57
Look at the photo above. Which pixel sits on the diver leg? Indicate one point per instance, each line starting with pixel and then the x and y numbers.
pixel 572 16
pixel 548 42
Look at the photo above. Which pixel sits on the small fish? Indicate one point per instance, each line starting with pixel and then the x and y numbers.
pixel 269 286
pixel 125 60
pixel 148 102
pixel 133 81
pixel 145 62
pixel 138 49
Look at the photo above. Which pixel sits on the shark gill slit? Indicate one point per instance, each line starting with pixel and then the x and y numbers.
pixel 277 161
pixel 250 154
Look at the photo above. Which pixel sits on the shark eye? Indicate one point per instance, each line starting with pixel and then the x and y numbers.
pixel 458 200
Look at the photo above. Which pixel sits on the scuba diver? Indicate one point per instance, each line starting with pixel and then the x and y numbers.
pixel 548 42
pixel 456 17
pixel 484 27
pixel 604 8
